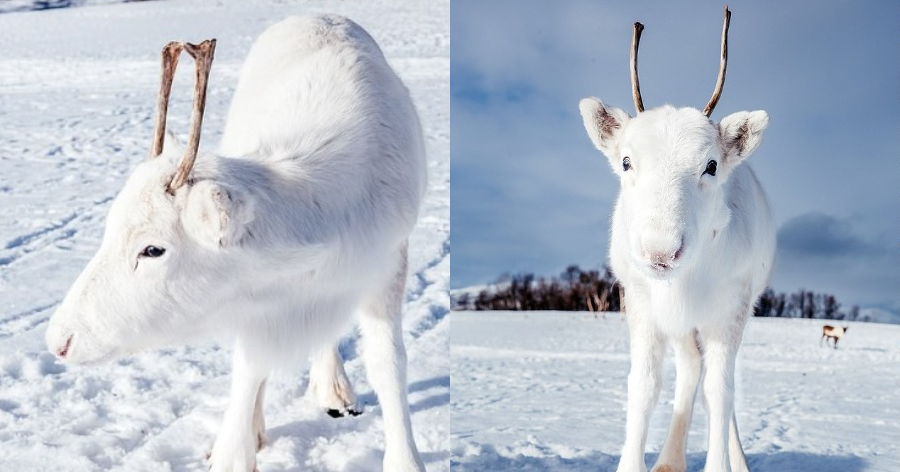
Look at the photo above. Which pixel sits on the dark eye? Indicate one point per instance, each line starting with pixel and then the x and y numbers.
pixel 710 168
pixel 626 163
pixel 152 251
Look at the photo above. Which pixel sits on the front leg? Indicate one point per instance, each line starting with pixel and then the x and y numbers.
pixel 644 382
pixel 688 368
pixel 718 389
pixel 240 434
pixel 735 451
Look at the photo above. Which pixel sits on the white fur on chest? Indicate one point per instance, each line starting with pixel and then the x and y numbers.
pixel 693 302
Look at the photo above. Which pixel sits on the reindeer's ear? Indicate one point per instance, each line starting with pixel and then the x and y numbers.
pixel 171 141
pixel 173 149
pixel 603 124
pixel 216 215
pixel 741 133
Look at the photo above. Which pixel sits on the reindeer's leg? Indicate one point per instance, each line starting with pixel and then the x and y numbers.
pixel 821 339
pixel 718 389
pixel 238 439
pixel 720 345
pixel 644 381
pixel 385 358
pixel 329 384
pixel 835 341
pixel 688 367
pixel 735 451
pixel 259 420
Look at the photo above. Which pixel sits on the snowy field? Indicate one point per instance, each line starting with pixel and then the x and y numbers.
pixel 29 5
pixel 535 391
pixel 77 94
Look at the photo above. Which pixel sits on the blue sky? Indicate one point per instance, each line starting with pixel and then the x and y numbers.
pixel 530 193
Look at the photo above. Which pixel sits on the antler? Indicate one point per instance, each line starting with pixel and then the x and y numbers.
pixel 635 84
pixel 720 82
pixel 170 55
pixel 203 54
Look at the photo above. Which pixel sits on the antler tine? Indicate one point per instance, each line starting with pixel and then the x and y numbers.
pixel 170 55
pixel 203 54
pixel 635 84
pixel 723 63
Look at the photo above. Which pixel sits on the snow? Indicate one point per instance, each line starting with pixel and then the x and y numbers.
pixel 26 5
pixel 547 391
pixel 77 94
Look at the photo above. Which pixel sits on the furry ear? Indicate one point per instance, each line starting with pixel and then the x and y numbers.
pixel 216 215
pixel 173 148
pixel 172 141
pixel 603 124
pixel 741 133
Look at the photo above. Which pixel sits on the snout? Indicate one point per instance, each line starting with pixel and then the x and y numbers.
pixel 59 340
pixel 74 346
pixel 661 256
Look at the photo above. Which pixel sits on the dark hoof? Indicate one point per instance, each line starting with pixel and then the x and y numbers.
pixel 340 414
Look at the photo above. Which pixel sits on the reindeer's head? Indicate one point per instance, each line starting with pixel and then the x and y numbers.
pixel 673 165
pixel 150 280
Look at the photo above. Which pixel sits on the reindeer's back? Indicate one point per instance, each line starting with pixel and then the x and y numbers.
pixel 318 103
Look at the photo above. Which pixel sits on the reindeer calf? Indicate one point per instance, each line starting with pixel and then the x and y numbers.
pixel 298 222
pixel 693 243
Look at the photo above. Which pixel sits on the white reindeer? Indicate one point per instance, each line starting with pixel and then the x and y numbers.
pixel 693 244
pixel 302 220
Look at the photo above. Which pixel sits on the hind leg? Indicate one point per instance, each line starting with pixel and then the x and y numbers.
pixel 329 384
pixel 259 420
pixel 735 451
pixel 385 358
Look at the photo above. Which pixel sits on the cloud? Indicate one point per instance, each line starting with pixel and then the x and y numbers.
pixel 834 255
pixel 822 236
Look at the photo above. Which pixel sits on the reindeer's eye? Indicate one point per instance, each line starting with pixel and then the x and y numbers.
pixel 152 251
pixel 626 163
pixel 710 168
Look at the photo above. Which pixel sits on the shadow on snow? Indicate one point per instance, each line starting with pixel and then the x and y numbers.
pixel 490 459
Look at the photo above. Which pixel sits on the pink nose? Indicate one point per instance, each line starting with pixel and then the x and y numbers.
pixel 63 350
pixel 662 256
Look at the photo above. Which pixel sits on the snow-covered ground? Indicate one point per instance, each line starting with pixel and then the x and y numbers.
pixel 27 5
pixel 77 94
pixel 535 391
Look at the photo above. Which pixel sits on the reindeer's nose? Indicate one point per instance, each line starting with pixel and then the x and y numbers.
pixel 63 350
pixel 661 253
pixel 59 340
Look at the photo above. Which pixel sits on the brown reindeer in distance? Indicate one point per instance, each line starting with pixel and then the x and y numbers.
pixel 832 332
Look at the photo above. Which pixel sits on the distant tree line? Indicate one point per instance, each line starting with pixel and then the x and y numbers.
pixel 595 291
pixel 803 304
pixel 573 290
